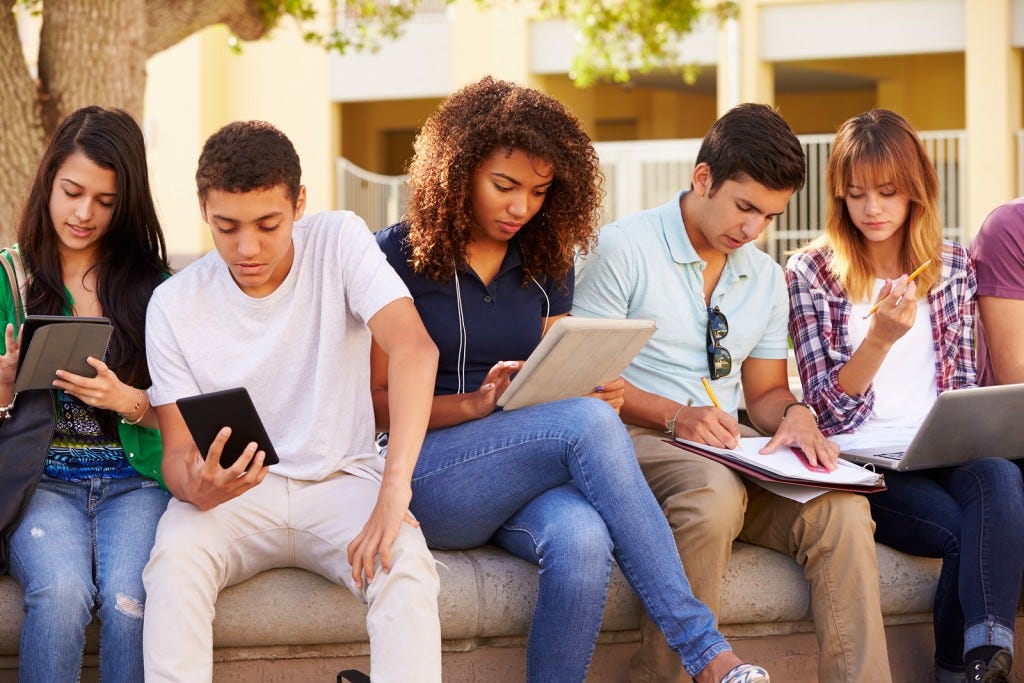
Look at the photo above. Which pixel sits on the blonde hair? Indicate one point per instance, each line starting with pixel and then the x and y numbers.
pixel 881 147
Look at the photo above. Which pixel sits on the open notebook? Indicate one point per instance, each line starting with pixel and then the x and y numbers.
pixel 787 466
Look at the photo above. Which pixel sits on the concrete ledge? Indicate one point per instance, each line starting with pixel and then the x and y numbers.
pixel 288 624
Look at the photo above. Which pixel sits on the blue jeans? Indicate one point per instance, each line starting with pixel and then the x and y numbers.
pixel 80 544
pixel 558 484
pixel 972 516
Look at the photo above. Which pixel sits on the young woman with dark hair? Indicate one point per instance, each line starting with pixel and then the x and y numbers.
pixel 91 245
pixel 505 187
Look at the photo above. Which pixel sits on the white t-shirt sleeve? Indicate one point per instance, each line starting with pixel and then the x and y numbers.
pixel 370 282
pixel 172 378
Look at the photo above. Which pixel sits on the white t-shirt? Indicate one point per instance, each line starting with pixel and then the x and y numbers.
pixel 302 352
pixel 904 385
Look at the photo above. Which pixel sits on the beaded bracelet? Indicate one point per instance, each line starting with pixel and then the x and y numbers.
pixel 670 424
pixel 138 404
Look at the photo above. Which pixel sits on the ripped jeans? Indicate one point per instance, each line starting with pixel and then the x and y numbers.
pixel 84 544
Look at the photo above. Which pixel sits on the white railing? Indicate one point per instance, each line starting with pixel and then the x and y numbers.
pixel 378 199
pixel 647 173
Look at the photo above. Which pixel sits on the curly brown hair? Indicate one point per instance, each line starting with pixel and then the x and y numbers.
pixel 467 128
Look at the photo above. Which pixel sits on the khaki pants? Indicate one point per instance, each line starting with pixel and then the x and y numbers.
pixel 286 523
pixel 831 537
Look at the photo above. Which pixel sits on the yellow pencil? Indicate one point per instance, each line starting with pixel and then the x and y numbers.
pixel 711 394
pixel 920 269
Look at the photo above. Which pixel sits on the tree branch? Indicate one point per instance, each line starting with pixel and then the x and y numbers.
pixel 171 21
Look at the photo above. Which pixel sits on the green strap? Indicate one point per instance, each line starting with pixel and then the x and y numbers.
pixel 10 259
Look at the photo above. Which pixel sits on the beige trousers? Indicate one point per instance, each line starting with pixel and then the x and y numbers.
pixel 286 523
pixel 831 537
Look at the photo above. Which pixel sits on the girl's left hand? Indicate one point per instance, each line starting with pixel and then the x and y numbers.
pixel 613 393
pixel 9 360
pixel 104 390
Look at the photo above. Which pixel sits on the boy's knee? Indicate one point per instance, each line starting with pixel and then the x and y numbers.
pixel 411 557
pixel 713 512
pixel 843 517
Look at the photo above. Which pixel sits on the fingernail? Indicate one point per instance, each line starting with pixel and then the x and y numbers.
pixel 600 388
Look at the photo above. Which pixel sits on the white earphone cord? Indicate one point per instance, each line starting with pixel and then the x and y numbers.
pixel 460 367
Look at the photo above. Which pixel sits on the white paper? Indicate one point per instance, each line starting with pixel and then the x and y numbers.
pixel 786 463
pixel 800 494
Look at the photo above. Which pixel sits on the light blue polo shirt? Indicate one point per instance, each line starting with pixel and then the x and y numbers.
pixel 645 267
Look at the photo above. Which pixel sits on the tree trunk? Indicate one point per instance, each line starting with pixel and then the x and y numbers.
pixel 21 129
pixel 90 52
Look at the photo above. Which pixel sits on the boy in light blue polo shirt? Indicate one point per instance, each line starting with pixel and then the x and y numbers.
pixel 721 308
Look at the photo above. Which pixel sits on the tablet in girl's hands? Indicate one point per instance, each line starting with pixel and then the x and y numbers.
pixel 206 414
pixel 56 342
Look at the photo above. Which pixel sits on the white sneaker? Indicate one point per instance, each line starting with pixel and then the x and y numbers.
pixel 746 673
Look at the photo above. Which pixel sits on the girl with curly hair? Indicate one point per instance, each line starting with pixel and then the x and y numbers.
pixel 505 188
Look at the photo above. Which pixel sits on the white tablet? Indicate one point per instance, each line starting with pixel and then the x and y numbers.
pixel 574 357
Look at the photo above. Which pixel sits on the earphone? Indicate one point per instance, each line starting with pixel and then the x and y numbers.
pixel 460 367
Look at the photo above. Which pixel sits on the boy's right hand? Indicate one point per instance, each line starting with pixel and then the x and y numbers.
pixel 209 484
pixel 708 425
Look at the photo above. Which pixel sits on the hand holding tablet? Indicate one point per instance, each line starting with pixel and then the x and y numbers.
pixel 206 414
pixel 574 357
pixel 49 343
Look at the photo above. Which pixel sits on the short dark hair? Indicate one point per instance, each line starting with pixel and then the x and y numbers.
pixel 753 140
pixel 248 155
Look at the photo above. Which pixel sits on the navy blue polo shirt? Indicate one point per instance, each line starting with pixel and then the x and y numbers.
pixel 503 320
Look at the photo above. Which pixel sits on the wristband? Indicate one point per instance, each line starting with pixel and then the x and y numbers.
pixel 812 411
pixel 670 424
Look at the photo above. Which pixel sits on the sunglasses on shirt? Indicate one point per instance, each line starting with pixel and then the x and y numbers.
pixel 719 359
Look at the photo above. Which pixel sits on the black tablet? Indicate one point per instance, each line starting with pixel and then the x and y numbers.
pixel 59 342
pixel 207 414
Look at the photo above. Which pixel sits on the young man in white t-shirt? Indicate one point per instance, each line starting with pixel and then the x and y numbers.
pixel 286 308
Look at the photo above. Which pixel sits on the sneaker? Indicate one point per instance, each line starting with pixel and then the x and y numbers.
pixel 746 673
pixel 352 676
pixel 995 670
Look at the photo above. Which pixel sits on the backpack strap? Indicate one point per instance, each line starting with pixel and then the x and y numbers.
pixel 14 267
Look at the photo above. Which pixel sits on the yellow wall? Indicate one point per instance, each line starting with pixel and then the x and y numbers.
pixel 659 114
pixel 822 112
pixel 363 125
pixel 199 85
pixel 927 90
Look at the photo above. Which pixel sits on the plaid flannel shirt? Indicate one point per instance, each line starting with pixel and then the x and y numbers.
pixel 820 310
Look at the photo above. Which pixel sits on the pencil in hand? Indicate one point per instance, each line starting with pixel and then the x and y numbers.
pixel 711 394
pixel 920 269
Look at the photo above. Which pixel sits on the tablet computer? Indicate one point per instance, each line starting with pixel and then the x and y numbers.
pixel 574 357
pixel 206 414
pixel 59 342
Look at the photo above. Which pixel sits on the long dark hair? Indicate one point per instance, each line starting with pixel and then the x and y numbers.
pixel 132 257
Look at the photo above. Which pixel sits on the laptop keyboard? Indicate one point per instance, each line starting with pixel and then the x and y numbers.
pixel 897 455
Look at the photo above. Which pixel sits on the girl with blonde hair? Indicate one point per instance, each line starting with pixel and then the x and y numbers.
pixel 876 375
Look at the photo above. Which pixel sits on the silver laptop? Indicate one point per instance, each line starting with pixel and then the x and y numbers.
pixel 963 425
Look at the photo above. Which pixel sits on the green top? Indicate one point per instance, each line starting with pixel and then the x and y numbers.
pixel 141 445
